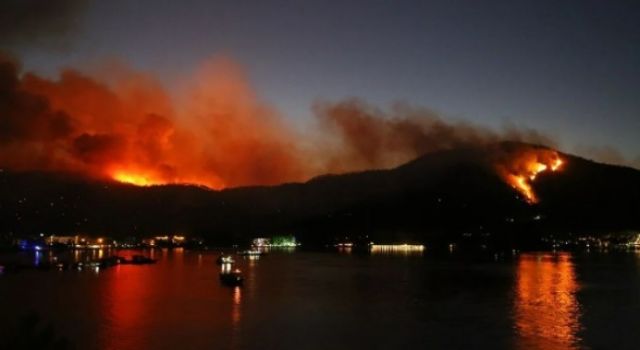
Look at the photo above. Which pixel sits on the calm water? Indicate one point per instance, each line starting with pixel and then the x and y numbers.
pixel 339 301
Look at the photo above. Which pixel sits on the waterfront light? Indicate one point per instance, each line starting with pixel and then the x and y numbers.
pixel 276 242
pixel 397 248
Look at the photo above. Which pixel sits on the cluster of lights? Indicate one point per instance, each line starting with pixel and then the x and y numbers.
pixel 397 248
pixel 276 242
pixel 172 239
pixel 99 243
pixel 75 242
pixel 344 245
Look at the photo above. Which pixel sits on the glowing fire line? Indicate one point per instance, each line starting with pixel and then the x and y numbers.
pixel 528 168
pixel 149 178
pixel 134 179
pixel 523 181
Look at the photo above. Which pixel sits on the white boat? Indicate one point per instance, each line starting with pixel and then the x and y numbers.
pixel 224 259
pixel 251 252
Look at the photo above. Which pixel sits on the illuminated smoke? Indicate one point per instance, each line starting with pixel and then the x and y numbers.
pixel 368 137
pixel 128 128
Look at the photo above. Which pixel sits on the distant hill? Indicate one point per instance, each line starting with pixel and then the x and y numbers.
pixel 438 197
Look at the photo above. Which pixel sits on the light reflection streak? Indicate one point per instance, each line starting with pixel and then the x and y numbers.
pixel 225 268
pixel 236 315
pixel 128 290
pixel 345 249
pixel 252 259
pixel 37 258
pixel 546 311
pixel 235 308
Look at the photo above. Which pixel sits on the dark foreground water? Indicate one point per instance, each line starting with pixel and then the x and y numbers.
pixel 338 301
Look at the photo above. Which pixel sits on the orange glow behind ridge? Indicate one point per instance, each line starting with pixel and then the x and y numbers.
pixel 134 179
pixel 119 124
pixel 122 125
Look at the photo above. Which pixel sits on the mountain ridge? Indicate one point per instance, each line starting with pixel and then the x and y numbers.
pixel 436 197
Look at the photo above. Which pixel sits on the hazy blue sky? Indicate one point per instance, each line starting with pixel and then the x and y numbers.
pixel 569 68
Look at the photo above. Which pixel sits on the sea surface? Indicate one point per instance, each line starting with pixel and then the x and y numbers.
pixel 331 300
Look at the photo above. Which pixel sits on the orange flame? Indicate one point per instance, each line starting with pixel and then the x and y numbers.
pixel 520 183
pixel 523 168
pixel 557 164
pixel 134 179
pixel 146 178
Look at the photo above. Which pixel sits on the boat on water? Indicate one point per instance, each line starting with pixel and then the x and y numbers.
pixel 63 265
pixel 101 263
pixel 111 261
pixel 635 244
pixel 224 259
pixel 139 260
pixel 232 278
pixel 251 252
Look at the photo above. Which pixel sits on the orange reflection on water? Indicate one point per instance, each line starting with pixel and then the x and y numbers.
pixel 236 314
pixel 546 310
pixel 128 291
pixel 235 309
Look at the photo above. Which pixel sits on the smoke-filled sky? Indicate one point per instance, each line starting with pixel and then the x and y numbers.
pixel 568 69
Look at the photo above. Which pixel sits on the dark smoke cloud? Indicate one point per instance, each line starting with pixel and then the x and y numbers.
pixel 27 116
pixel 606 154
pixel 372 138
pixel 99 148
pixel 39 22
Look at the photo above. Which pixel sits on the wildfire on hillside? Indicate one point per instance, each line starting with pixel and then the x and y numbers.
pixel 123 125
pixel 521 169
pixel 134 179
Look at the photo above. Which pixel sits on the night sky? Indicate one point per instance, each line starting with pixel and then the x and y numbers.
pixel 568 68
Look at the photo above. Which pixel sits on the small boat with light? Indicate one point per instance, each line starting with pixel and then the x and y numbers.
pixel 139 260
pixel 224 259
pixel 63 265
pixel 111 261
pixel 232 278
pixel 251 252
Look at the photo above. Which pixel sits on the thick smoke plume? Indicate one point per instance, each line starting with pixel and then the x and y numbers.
pixel 608 155
pixel 128 128
pixel 372 138
pixel 131 130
